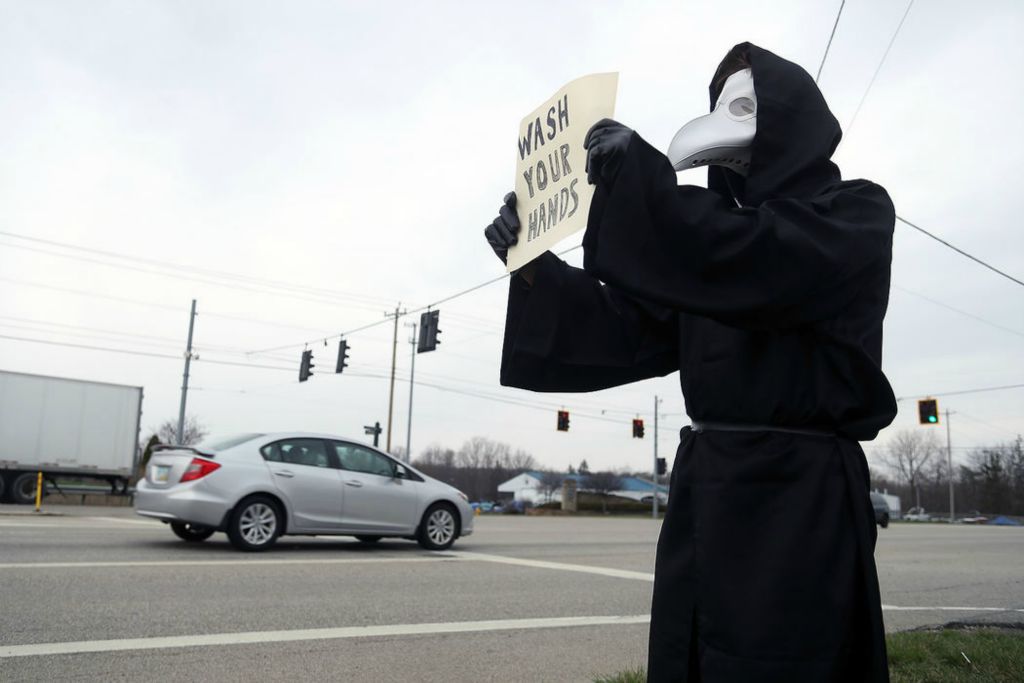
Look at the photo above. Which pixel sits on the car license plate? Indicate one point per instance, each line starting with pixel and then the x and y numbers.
pixel 161 473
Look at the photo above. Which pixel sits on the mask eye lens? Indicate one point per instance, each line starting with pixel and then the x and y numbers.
pixel 741 106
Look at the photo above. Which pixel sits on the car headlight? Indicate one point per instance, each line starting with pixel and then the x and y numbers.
pixel 463 496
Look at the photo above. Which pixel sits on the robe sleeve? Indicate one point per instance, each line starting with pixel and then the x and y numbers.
pixel 785 263
pixel 569 332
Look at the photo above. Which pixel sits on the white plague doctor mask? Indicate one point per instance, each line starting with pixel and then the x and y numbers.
pixel 723 137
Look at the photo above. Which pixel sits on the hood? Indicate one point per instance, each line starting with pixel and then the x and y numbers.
pixel 796 134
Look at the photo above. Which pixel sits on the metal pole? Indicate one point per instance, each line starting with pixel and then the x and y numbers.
pixel 184 381
pixel 412 383
pixel 654 504
pixel 391 394
pixel 949 461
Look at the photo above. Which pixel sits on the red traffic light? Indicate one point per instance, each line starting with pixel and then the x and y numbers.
pixel 563 420
pixel 638 428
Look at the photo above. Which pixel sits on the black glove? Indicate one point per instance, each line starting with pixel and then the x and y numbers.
pixel 503 232
pixel 606 145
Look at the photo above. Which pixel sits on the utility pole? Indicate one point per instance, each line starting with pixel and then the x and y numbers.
pixel 394 351
pixel 949 461
pixel 654 504
pixel 184 381
pixel 412 383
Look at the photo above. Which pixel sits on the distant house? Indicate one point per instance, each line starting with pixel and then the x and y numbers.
pixel 527 487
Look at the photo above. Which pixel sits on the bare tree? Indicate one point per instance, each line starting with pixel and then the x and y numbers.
pixel 193 433
pixel 549 483
pixel 435 455
pixel 603 483
pixel 907 454
pixel 584 467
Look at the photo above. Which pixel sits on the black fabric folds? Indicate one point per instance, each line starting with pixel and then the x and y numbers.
pixel 773 314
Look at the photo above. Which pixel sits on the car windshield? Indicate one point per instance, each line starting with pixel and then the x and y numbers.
pixel 222 443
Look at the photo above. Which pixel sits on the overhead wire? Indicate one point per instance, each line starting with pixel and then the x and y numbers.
pixel 830 37
pixel 960 251
pixel 878 68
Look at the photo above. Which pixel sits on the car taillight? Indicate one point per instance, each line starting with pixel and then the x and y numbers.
pixel 197 469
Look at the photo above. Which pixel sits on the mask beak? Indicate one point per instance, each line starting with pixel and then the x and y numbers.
pixel 712 140
pixel 723 137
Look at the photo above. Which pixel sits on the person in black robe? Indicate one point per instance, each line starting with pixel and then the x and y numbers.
pixel 767 292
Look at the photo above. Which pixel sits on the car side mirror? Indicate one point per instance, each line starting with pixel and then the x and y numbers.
pixel 400 472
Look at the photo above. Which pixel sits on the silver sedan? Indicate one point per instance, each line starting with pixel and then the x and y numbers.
pixel 256 487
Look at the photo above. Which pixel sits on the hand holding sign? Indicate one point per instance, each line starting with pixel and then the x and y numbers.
pixel 552 193
pixel 606 145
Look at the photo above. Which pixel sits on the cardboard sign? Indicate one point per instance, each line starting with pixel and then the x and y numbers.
pixel 552 193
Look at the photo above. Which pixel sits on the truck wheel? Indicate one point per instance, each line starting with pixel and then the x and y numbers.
pixel 193 533
pixel 255 524
pixel 23 490
pixel 884 522
pixel 439 527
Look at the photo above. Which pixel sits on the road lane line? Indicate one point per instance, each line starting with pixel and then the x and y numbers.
pixel 925 608
pixel 250 637
pixel 560 566
pixel 223 563
pixel 121 520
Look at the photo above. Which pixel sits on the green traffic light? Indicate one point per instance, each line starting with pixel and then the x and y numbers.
pixel 933 418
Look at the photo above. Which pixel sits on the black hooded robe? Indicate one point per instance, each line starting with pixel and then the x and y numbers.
pixel 773 314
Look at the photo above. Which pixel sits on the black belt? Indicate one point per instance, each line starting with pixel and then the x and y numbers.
pixel 705 426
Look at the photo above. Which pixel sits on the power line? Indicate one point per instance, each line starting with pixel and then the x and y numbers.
pixel 879 68
pixel 429 306
pixel 962 391
pixel 959 250
pixel 961 312
pixel 318 291
pixel 831 36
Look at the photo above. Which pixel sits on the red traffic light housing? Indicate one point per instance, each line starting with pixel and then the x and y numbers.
pixel 563 420
pixel 638 428
pixel 306 365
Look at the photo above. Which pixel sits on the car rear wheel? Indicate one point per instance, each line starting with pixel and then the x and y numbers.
pixel 193 533
pixel 439 527
pixel 884 522
pixel 368 539
pixel 255 524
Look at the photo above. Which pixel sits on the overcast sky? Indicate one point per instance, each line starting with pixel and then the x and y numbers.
pixel 352 153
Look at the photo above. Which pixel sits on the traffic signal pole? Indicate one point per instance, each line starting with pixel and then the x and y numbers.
pixel 412 383
pixel 394 357
pixel 949 461
pixel 654 504
pixel 184 380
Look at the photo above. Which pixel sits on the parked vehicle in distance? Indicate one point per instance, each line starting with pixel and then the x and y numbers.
pixel 257 487
pixel 65 428
pixel 974 517
pixel 881 510
pixel 917 515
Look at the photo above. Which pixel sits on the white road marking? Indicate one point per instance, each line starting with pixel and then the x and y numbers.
pixel 214 639
pixel 222 563
pixel 153 524
pixel 898 608
pixel 560 566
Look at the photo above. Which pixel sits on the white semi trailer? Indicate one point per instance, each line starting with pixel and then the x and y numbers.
pixel 65 428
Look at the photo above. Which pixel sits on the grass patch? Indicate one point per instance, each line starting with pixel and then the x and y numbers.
pixel 951 655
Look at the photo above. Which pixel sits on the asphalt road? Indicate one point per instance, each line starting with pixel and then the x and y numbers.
pixel 98 594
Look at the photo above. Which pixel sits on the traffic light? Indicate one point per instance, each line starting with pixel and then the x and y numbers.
pixel 306 365
pixel 638 428
pixel 428 331
pixel 342 356
pixel 563 420
pixel 662 466
pixel 928 411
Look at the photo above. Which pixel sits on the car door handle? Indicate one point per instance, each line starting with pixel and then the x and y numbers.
pixel 353 482
pixel 284 473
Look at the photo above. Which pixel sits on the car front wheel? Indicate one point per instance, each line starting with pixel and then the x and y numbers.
pixel 884 522
pixel 193 533
pixel 255 524
pixel 439 527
